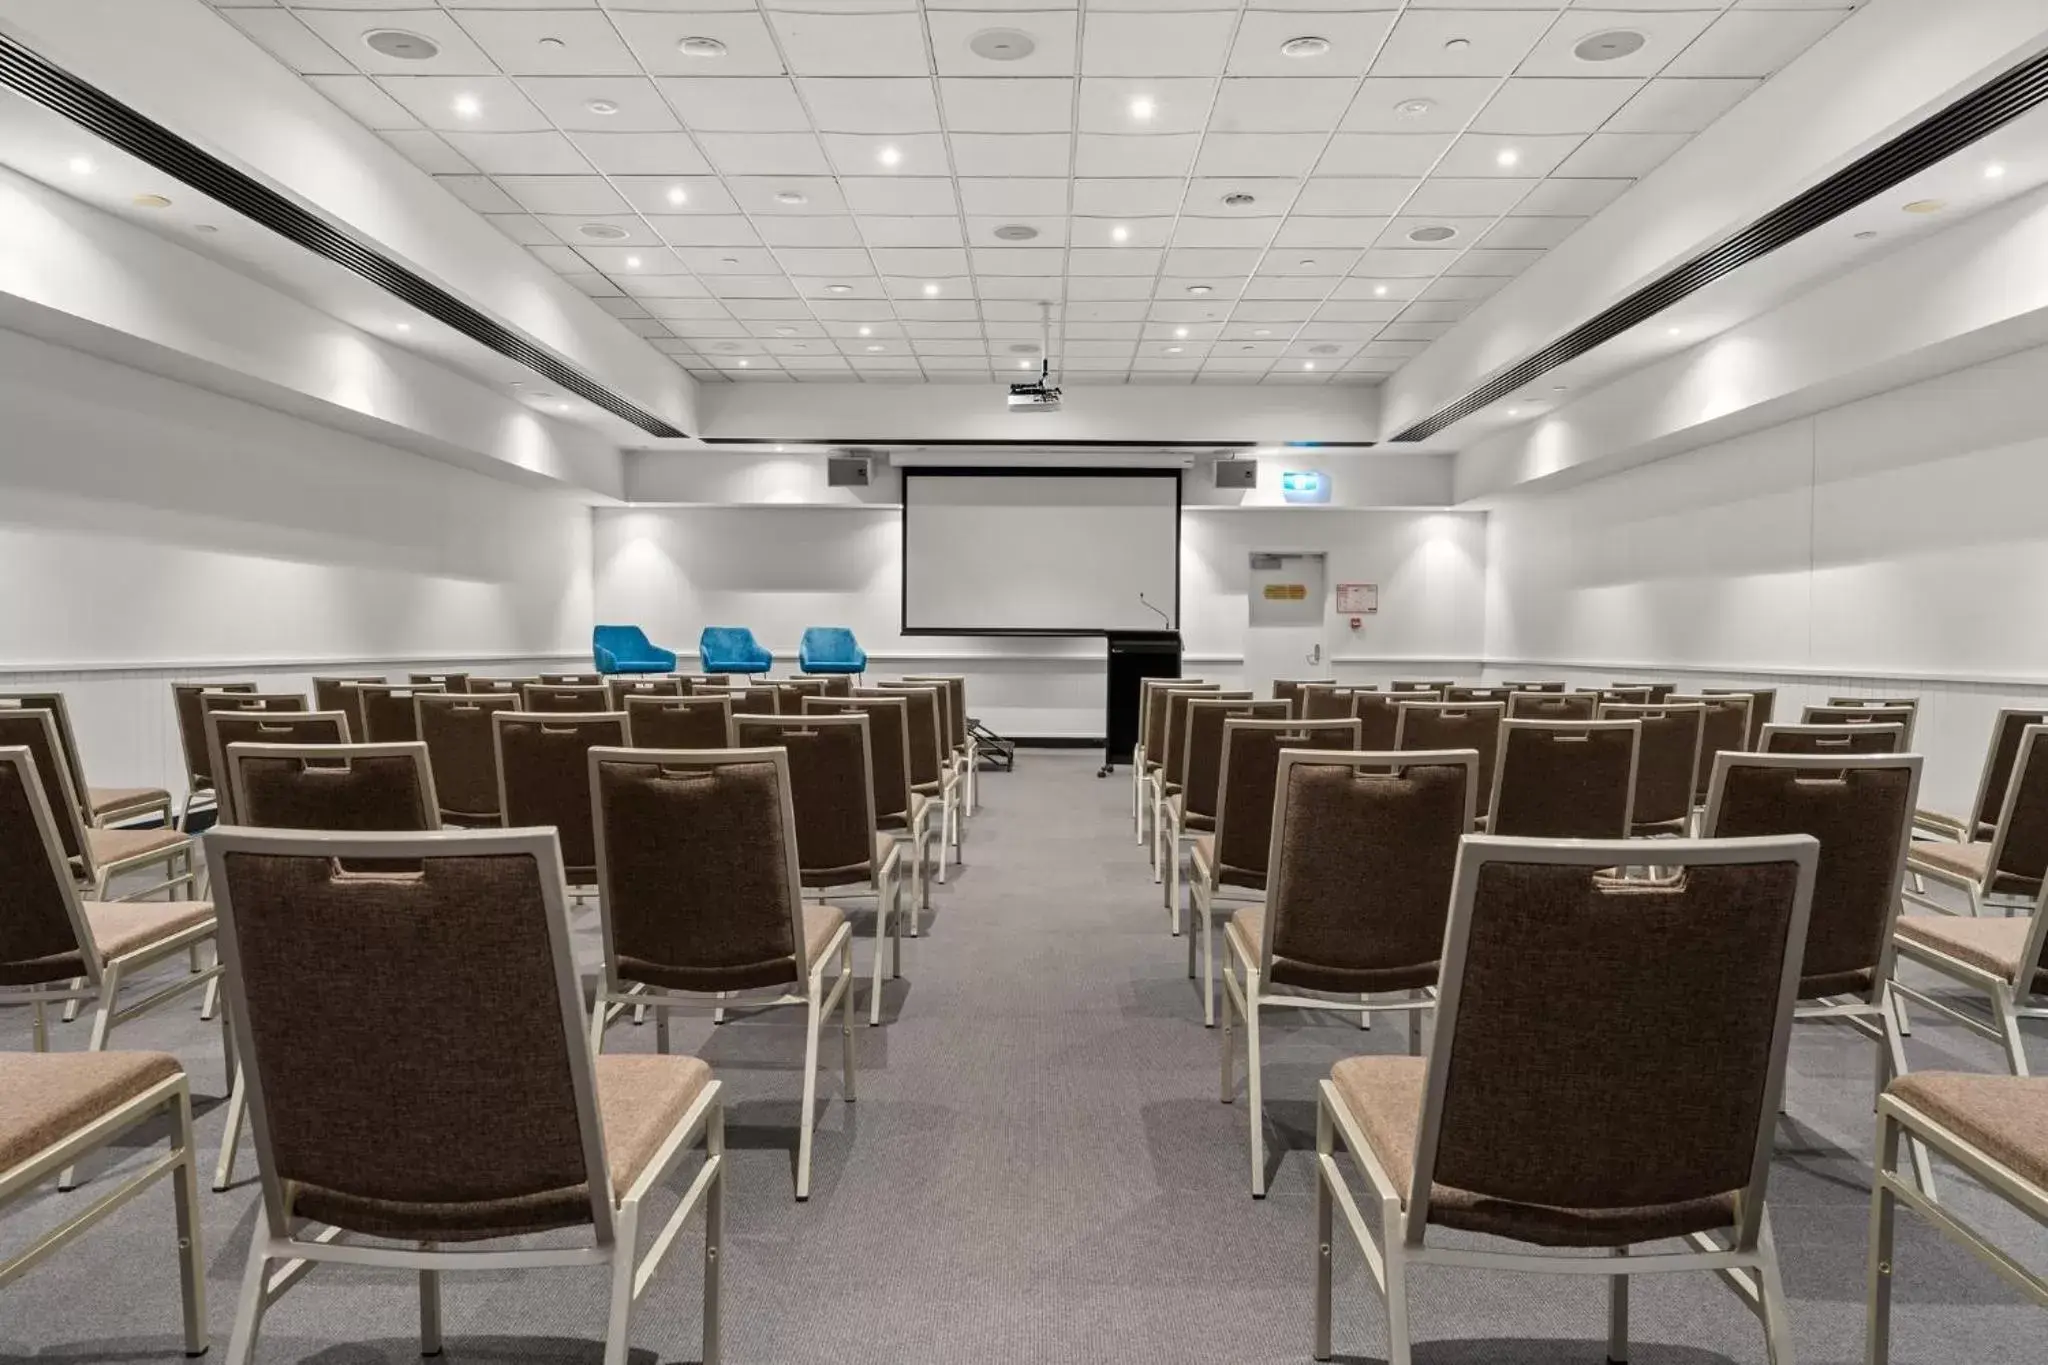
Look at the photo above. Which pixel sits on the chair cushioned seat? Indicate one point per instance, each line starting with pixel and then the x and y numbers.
pixel 122 927
pixel 816 878
pixel 1205 865
pixel 1991 945
pixel 640 1099
pixel 1384 1095
pixel 2005 1117
pixel 1968 862
pixel 112 800
pixel 47 1096
pixel 121 845
pixel 918 805
pixel 1250 923
pixel 820 923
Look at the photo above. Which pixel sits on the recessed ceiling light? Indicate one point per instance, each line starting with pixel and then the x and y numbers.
pixel 1142 107
pixel 1239 200
pixel 1175 350
pixel 1023 364
pixel 1865 235
pixel 1433 232
pixel 1119 233
pixel 1306 46
pixel 791 197
pixel 561 407
pixel 931 290
pixel 1002 44
pixel 1924 206
pixel 1671 331
pixel 1993 171
pixel 467 106
pixel 1308 364
pixel 553 44
pixel 1415 108
pixel 728 260
pixel 204 227
pixel 785 331
pixel 603 232
pixel 678 195
pixel 1016 232
pixel 405 327
pixel 839 289
pixel 1559 388
pixel 1262 332
pixel 1379 291
pixel 1024 348
pixel 397 42
pixel 1608 45
pixel 605 108
pixel 1457 44
pixel 1514 412
pixel 701 47
pixel 1199 289
pixel 1305 263
pixel 632 263
pixel 743 362
pixel 889 156
pixel 81 165
pixel 1506 156
pixel 874 348
pixel 1326 348
pixel 1180 331
pixel 867 331
pixel 150 201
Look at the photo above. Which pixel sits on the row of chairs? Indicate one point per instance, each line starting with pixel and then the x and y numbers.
pixel 726 649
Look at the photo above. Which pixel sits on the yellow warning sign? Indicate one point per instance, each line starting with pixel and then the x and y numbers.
pixel 1286 592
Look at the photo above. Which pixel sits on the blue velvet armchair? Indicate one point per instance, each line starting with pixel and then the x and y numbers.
pixel 732 649
pixel 831 649
pixel 626 649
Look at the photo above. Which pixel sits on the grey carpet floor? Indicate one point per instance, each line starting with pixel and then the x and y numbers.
pixel 1038 1170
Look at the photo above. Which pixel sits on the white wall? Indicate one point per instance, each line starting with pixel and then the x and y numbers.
pixel 675 570
pixel 1895 543
pixel 151 531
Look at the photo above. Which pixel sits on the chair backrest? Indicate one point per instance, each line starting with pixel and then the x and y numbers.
pixel 835 685
pixel 2006 731
pixel 956 704
pixel 463 750
pixel 1553 705
pixel 565 701
pixel 1784 738
pixel 829 645
pixel 1158 703
pixel 1610 1046
pixel 927 744
pixel 764 700
pixel 2019 844
pixel 1863 715
pixel 1638 695
pixel 697 868
pixel 1330 701
pixel 888 749
pixel 1910 703
pixel 1667 759
pixel 568 680
pixel 831 786
pixel 331 693
pixel 413 1044
pixel 544 776
pixel 1202 766
pixel 1860 808
pixel 1423 691
pixel 1246 781
pixel 43 933
pixel 1526 685
pixel 1564 779
pixel 35 730
pixel 1289 691
pixel 734 648
pixel 1499 694
pixel 265 727
pixel 364 787
pixel 388 713
pixel 514 686
pixel 1173 765
pixel 199 752
pixel 67 738
pixel 1658 690
pixel 790 694
pixel 1147 689
pixel 620 686
pixel 1454 725
pixel 691 722
pixel 1723 729
pixel 1364 845
pixel 447 682
pixel 1379 715
pixel 185 706
pixel 1762 702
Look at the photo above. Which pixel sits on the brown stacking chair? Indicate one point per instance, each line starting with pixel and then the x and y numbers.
pixel 419 1075
pixel 1724 729
pixel 1778 738
pixel 1328 700
pixel 1171 777
pixel 1363 846
pixel 841 850
pixel 1455 725
pixel 1472 694
pixel 1232 861
pixel 2006 731
pixel 1995 1128
pixel 1863 715
pixel 389 716
pixel 1192 810
pixel 447 682
pixel 60 1109
pixel 1524 685
pixel 544 777
pixel 1638 695
pixel 697 857
pixel 902 814
pixel 966 752
pixel 1379 716
pixel 265 727
pixel 689 722
pixel 99 805
pixel 1553 705
pixel 1860 808
pixel 2005 959
pixel 932 773
pixel 790 693
pixel 1436 685
pixel 96 856
pixel 1577 1095
pixel 186 707
pixel 761 700
pixel 456 728
pixel 1145 749
pixel 548 699
pixel 339 694
pixel 1289 691
pixel 516 686
pixel 1667 763
pixel 571 679
pixel 1564 779
pixel 1659 691
pixel 620 686
pixel 1763 701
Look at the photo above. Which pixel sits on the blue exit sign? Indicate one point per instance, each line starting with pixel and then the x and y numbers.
pixel 1304 485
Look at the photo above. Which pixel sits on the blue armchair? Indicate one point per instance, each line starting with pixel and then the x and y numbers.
pixel 831 649
pixel 626 649
pixel 732 649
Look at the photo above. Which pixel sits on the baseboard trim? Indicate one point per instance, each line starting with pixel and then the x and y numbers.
pixel 1056 741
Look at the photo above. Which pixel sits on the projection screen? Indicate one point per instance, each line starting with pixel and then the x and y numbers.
pixel 1040 551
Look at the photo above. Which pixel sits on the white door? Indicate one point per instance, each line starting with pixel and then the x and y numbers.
pixel 1287 619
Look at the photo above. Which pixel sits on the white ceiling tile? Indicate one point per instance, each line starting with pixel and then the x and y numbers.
pixel 646 327
pixel 1133 311
pixel 1397 350
pixel 657 286
pixel 1226 154
pixel 1119 44
pixel 1417 104
pixel 1679 105
pixel 1493 42
pixel 595 285
pixel 759 104
pixel 1010 154
pixel 1126 261
pixel 1331 262
pixel 1567 196
pixel 1103 232
pixel 437 101
pixel 1487 261
pixel 620 306
pixel 809 230
pixel 1622 154
pixel 842 261
pixel 1221 196
pixel 1304 288
pixel 764 195
pixel 911 305
pixel 480 193
pixel 1018 288
pixel 1103 338
pixel 1279 312
pixel 1467 197
pixel 362 100
pixel 1205 261
pixel 1480 154
pixel 1302 230
pixel 556 41
pixel 569 228
pixel 1448 311
pixel 706 229
pixel 1265 105
pixel 1357 314
pixel 1051 229
pixel 884 230
pixel 564 261
pixel 1387 263
pixel 1398 233
pixel 1552 105
pixel 1324 194
pixel 1665 35
pixel 765 153
pixel 643 153
pixel 1374 289
pixel 613 261
pixel 651 193
pixel 750 286
pixel 1109 287
pixel 1140 156
pixel 901 196
pixel 563 193
pixel 951 346
pixel 871 104
pixel 833 307
pixel 282 35
pixel 656 40
pixel 685 310
pixel 1754 42
pixel 929 262
pixel 1128 198
pixel 906 154
pixel 1542 233
pixel 521 228
pixel 574 103
pixel 955 331
pixel 1469 289
pixel 820 43
pixel 520 153
pixel 758 309
pixel 1050 30
pixel 1354 40
pixel 1114 104
pixel 344 32
pixel 1022 196
pixel 987 105
pixel 1382 154
pixel 841 292
pixel 709 261
pixel 1018 261
pixel 1241 232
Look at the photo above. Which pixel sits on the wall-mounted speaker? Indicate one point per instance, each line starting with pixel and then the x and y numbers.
pixel 849 471
pixel 1237 473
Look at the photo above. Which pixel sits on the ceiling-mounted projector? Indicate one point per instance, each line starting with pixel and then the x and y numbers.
pixel 1037 396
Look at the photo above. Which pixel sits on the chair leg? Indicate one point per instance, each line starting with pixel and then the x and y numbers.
pixel 618 1331
pixel 249 1308
pixel 1415 1024
pixel 1325 1229
pixel 39 1029
pixel 661 1031
pixel 597 1015
pixel 1775 1312
pixel 1905 1019
pixel 1208 928
pixel 71 1006
pixel 813 1021
pixel 1229 1088
pixel 430 1311
pixel 1617 1315
pixel 102 1025
pixel 1891 1064
pixel 882 935
pixel 714 1230
pixel 191 1257
pixel 231 1133
pixel 846 979
pixel 1400 1351
pixel 2002 1007
pixel 1883 1211
pixel 1255 1108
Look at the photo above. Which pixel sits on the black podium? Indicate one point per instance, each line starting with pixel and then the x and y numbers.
pixel 1134 655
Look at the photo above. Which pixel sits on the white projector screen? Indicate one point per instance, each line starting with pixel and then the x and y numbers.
pixel 1040 552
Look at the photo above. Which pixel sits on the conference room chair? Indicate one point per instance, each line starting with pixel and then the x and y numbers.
pixel 570 679
pixel 902 814
pixel 548 699
pixel 2004 960
pixel 1667 764
pixel 389 716
pixel 626 649
pixel 1564 779
pixel 265 727
pixel 1763 703
pixel 836 685
pixel 1659 691
pixel 1860 808
pixel 1324 700
pixel 1993 1127
pixel 1379 716
pixel 96 856
pixel 932 774
pixel 419 1076
pixel 620 686
pixel 1577 1099
pixel 1553 706
pixel 339 694
pixel 1724 728
pixel 842 853
pixel 1472 694
pixel 732 649
pixel 62 1109
pixel 1783 737
pixel 1289 691
pixel 1192 810
pixel 1363 846
pixel 544 777
pixel 830 651
pixel 1438 726
pixel 703 899
pixel 2006 731
pixel 1145 748
pixel 966 751
pixel 186 709
pixel 447 682
pixel 765 700
pixel 1902 716
pixel 1911 703
pixel 790 693
pixel 1438 686
pixel 1530 685
pixel 1172 776
pixel 515 686
pixel 456 728
pixel 99 805
pixel 693 722
pixel 1638 695
pixel 1229 866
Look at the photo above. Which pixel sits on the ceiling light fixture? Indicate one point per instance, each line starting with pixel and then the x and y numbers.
pixel 467 106
pixel 1308 45
pixel 397 42
pixel 561 407
pixel 1379 291
pixel 150 201
pixel 1180 331
pixel 1414 109
pixel 701 47
pixel 1023 364
pixel 1002 44
pixel 1199 289
pixel 839 289
pixel 1457 44
pixel 1865 235
pixel 1994 171
pixel 632 263
pixel 1238 200
pixel 931 291
pixel 1175 350
pixel 1924 206
pixel 1433 232
pixel 1016 232
pixel 785 331
pixel 204 227
pixel 1308 364
pixel 1514 412
pixel 81 165
pixel 1671 331
pixel 604 108
pixel 743 362
pixel 791 198
pixel 874 348
pixel 1506 156
pixel 603 232
pixel 1262 331
pixel 677 195
pixel 405 327
pixel 1119 233
pixel 1608 45
pixel 1142 108
pixel 867 331
pixel 889 156
pixel 553 44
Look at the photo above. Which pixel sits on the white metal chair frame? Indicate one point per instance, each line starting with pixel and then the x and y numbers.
pixel 1828 736
pixel 1940 825
pixel 615 1215
pixel 1256 960
pixel 915 836
pixel 1979 894
pixel 1151 783
pixel 1169 828
pixel 1748 1263
pixel 1564 729
pixel 1880 713
pixel 1155 782
pixel 2009 1000
pixel 950 822
pixel 611 995
pixel 1146 686
pixel 223 788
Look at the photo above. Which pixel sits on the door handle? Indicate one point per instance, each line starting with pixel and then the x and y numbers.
pixel 1315 655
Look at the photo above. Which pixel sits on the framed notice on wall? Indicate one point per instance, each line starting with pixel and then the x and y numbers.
pixel 1358 599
